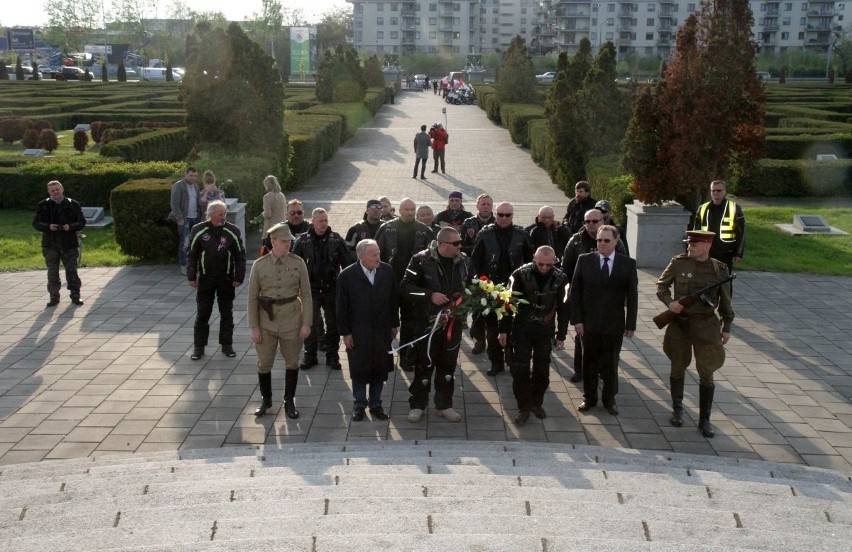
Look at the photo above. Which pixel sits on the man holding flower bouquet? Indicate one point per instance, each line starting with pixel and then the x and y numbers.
pixel 544 288
pixel 434 283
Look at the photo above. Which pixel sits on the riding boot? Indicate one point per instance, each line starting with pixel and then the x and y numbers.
pixel 265 383
pixel 705 404
pixel 677 401
pixel 291 379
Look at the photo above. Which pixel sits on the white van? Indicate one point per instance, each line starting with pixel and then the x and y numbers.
pixel 156 74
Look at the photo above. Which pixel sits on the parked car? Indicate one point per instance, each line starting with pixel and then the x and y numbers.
pixel 764 76
pixel 28 72
pixel 546 77
pixel 68 73
pixel 419 81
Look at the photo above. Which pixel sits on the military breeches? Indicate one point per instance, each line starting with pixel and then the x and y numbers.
pixel 222 290
pixel 68 257
pixel 289 345
pixel 702 335
pixel 444 356
pixel 529 385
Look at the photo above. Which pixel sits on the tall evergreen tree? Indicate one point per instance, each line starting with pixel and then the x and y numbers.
pixel 516 77
pixel 708 117
pixel 340 77
pixel 603 104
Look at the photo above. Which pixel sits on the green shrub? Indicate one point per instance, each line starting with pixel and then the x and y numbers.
pixel 541 142
pixel 140 209
pixel 314 138
pixel 112 134
pixel 354 115
pixel 516 118
pixel 808 146
pixel 22 186
pixel 374 100
pixel 796 178
pixel 169 144
pixel 487 99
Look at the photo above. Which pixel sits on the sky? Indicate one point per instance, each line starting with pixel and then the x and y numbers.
pixel 32 13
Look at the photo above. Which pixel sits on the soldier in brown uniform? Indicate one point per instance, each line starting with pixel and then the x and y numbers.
pixel 280 314
pixel 698 328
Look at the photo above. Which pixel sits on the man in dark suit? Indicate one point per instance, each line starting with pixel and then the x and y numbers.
pixel 368 319
pixel 604 284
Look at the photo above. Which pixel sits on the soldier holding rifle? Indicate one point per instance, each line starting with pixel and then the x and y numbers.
pixel 696 326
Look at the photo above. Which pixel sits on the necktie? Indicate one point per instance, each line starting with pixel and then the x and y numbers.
pixel 605 268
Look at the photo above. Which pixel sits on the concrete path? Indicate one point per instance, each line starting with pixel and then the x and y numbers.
pixel 114 376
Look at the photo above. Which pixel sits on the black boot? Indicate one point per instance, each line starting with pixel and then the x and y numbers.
pixel 705 404
pixel 291 378
pixel 677 401
pixel 265 383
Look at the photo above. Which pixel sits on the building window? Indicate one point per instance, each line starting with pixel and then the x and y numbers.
pixel 690 8
pixel 523 11
pixel 649 22
pixel 394 21
pixel 433 7
pixel 801 36
pixel 804 6
pixel 496 20
pixel 610 22
pixel 456 35
pixel 610 8
pixel 380 21
pixel 380 48
pixel 394 6
pixel 788 6
pixel 652 7
pixel 785 36
pixel 394 35
pixel 433 35
pixel 803 21
pixel 785 21
pixel 649 36
pixel 417 35
pixel 380 6
pixel 523 21
pixel 358 36
pixel 380 35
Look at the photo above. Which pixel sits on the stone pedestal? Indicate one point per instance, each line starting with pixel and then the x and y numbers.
pixel 237 215
pixel 655 233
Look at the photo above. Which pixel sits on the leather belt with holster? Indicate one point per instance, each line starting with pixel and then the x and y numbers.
pixel 268 302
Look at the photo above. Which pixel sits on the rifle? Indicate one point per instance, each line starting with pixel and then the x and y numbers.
pixel 664 318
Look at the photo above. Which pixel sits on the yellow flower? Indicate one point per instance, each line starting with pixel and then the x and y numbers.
pixel 499 312
pixel 505 295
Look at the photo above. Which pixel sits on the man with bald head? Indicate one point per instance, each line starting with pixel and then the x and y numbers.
pixel 546 230
pixel 398 241
pixel 500 248
pixel 534 328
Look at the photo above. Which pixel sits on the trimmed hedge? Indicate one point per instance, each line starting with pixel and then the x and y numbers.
pixel 516 118
pixel 541 143
pixel 354 115
pixel 140 209
pixel 314 138
pixel 24 185
pixel 170 144
pixel 807 146
pixel 796 178
pixel 486 98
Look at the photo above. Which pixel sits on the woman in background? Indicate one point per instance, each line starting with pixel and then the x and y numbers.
pixel 274 207
pixel 210 192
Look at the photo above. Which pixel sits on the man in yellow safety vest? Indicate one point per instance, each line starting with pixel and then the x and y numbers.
pixel 726 219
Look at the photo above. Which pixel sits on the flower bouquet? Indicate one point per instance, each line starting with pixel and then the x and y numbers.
pixel 482 297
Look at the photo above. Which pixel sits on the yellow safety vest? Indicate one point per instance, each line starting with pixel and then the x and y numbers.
pixel 726 226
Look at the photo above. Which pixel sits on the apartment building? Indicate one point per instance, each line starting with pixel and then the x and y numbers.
pixel 636 27
pixel 648 28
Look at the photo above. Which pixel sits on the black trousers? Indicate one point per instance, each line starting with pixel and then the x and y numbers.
pixel 477 328
pixel 324 300
pixel 421 163
pixel 68 257
pixel 600 358
pixel 445 354
pixel 438 154
pixel 222 289
pixel 529 385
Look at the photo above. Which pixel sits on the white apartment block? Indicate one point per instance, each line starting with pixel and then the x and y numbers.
pixel 648 28
pixel 637 28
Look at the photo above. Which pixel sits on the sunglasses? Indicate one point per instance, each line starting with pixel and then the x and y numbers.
pixel 717 191
pixel 505 215
pixel 455 243
pixel 296 212
pixel 374 207
pixel 592 221
pixel 604 240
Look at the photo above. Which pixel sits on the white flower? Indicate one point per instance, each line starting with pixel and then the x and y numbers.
pixel 485 312
pixel 483 302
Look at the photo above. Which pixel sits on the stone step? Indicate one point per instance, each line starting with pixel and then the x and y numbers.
pixel 165 532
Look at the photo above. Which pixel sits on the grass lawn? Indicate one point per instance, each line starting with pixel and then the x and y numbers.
pixel 770 249
pixel 20 244
pixel 66 147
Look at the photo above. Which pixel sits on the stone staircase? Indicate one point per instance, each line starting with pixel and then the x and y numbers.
pixel 419 496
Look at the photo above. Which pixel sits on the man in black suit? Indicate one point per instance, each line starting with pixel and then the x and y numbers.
pixel 368 319
pixel 604 284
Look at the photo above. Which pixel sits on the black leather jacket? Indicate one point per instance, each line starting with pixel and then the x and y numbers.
pixel 425 275
pixel 487 254
pixel 470 229
pixel 325 256
pixel 388 239
pixel 547 304
pixel 67 212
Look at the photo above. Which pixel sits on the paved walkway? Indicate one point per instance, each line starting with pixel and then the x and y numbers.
pixel 114 376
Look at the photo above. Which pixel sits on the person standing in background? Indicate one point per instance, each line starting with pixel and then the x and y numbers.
pixel 186 210
pixel 274 207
